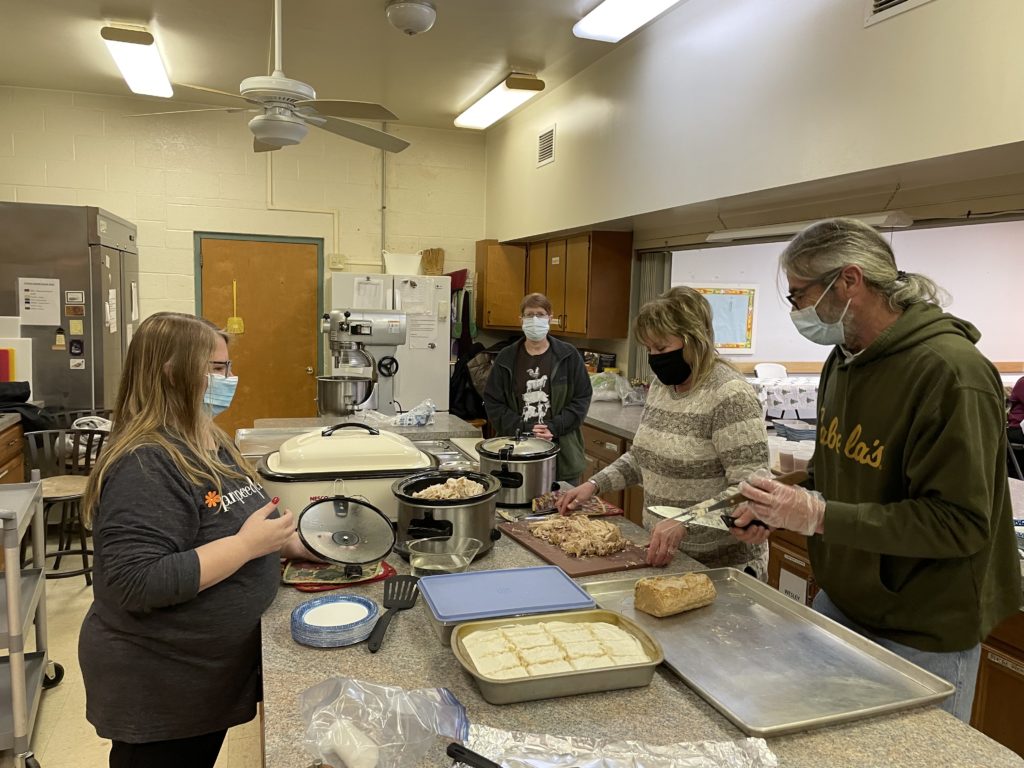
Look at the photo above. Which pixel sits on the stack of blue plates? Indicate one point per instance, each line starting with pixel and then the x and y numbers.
pixel 334 620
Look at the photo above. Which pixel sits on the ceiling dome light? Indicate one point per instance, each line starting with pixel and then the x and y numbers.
pixel 413 17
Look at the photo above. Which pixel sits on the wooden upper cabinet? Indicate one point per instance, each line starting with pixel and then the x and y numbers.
pixel 577 284
pixel 591 296
pixel 556 282
pixel 501 278
pixel 585 276
pixel 537 268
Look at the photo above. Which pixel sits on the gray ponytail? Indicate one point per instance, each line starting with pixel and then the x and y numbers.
pixel 826 247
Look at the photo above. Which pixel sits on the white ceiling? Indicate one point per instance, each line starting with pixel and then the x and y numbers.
pixel 345 49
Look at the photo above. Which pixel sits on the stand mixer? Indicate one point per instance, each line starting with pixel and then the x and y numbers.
pixel 351 335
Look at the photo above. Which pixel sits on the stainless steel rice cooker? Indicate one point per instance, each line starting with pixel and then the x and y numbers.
pixel 472 517
pixel 350 459
pixel 524 465
pixel 347 531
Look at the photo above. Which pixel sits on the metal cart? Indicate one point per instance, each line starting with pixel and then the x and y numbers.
pixel 23 675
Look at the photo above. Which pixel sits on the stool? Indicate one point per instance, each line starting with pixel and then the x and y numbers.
pixel 64 459
pixel 67 491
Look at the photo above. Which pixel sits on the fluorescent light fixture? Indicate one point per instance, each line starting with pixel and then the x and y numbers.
pixel 136 55
pixel 612 20
pixel 499 101
pixel 883 220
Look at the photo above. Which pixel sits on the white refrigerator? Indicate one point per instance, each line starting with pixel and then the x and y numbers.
pixel 424 360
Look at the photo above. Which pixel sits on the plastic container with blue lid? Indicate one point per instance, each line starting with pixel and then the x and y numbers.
pixel 455 598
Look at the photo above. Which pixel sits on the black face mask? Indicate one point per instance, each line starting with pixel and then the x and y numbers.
pixel 670 367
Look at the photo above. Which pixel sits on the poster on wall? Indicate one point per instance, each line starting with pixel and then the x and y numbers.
pixel 733 309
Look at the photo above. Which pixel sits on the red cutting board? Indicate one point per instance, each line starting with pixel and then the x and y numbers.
pixel 629 558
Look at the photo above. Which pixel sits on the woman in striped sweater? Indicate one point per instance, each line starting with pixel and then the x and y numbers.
pixel 702 431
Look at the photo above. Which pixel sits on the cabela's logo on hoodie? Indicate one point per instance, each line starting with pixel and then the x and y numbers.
pixel 214 499
pixel 855 447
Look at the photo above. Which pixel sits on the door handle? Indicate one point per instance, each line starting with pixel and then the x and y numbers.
pixel 309 370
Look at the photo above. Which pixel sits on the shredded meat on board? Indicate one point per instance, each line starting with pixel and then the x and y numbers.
pixel 452 488
pixel 581 536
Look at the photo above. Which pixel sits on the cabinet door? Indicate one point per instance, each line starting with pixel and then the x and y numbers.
pixel 537 268
pixel 577 283
pixel 634 508
pixel 591 468
pixel 504 280
pixel 11 444
pixel 13 471
pixel 997 697
pixel 556 283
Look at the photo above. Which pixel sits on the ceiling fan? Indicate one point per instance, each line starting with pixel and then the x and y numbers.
pixel 288 107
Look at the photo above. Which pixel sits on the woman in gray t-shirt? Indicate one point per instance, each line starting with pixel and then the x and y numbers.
pixel 187 549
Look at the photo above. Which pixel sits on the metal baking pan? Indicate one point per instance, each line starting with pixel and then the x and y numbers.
pixel 564 683
pixel 772 665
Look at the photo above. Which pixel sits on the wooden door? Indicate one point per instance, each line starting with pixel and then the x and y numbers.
pixel 556 282
pixel 537 268
pixel 275 359
pixel 504 281
pixel 577 283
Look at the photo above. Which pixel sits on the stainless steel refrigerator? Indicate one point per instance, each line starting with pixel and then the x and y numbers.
pixel 72 274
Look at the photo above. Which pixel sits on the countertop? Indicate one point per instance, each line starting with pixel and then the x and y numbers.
pixel 8 420
pixel 667 711
pixel 613 417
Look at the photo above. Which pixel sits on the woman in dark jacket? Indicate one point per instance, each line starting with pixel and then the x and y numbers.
pixel 540 385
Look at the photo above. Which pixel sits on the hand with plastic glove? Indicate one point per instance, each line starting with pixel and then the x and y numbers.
pixel 781 506
pixel 665 540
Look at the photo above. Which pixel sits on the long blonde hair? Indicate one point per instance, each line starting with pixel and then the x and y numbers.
pixel 683 312
pixel 160 403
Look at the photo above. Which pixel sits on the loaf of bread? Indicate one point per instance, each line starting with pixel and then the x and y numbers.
pixel 669 595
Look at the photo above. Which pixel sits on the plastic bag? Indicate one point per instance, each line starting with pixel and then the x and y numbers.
pixel 420 416
pixel 635 394
pixel 364 725
pixel 608 386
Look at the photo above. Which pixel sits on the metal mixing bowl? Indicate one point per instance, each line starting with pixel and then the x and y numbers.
pixel 339 395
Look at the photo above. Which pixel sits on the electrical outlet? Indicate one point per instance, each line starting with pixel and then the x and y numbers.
pixel 336 261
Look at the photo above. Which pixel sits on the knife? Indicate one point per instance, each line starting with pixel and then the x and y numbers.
pixel 790 478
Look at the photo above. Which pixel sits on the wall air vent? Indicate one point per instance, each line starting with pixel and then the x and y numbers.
pixel 880 10
pixel 546 146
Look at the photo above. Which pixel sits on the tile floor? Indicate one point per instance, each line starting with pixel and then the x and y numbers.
pixel 63 738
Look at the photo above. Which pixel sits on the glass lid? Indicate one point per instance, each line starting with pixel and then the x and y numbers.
pixel 346 531
pixel 522 448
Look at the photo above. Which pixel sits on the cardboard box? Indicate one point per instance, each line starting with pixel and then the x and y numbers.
pixel 789 571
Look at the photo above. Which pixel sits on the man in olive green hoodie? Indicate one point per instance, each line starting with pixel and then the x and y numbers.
pixel 910 524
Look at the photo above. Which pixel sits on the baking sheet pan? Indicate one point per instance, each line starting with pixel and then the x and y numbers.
pixel 771 665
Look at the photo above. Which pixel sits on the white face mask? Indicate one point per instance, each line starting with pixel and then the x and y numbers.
pixel 536 328
pixel 811 326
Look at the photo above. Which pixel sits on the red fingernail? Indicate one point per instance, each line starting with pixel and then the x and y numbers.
pixel 275 500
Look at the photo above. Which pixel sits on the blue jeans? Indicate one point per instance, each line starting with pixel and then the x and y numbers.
pixel 958 667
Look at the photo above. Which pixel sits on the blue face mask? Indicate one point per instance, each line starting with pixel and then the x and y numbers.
pixel 219 392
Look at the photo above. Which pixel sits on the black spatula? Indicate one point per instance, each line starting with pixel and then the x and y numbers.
pixel 400 593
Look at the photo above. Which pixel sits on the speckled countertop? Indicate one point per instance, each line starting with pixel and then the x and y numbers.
pixel 613 417
pixel 666 711
pixel 8 420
